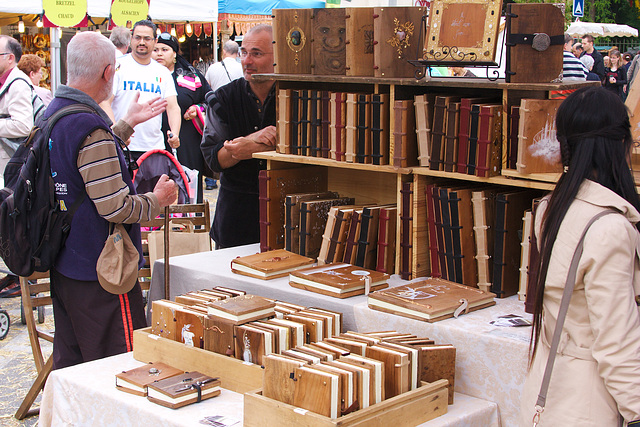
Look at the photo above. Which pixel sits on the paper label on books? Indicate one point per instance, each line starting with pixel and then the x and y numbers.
pixel 300 411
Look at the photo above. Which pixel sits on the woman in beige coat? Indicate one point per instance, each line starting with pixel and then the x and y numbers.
pixel 596 376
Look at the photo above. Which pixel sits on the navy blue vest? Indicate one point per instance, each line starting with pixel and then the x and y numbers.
pixel 89 230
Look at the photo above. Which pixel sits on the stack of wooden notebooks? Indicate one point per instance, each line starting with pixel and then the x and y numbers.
pixel 168 386
pixel 357 370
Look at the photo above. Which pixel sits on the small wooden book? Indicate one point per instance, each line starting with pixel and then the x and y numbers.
pixel 253 343
pixel 242 309
pixel 338 280
pixel 182 390
pixel 438 361
pixel 277 382
pixel 269 265
pixel 318 391
pixel 135 381
pixel 430 300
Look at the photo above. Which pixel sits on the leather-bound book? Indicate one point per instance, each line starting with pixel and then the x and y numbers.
pixel 397 36
pixel 438 131
pixel 274 187
pixel 456 238
pixel 368 239
pixel 463 132
pixel 253 343
pixel 387 240
pixel 434 233
pixel 430 300
pixel 325 111
pixel 510 208
pixel 292 41
pixel 269 265
pixel 328 41
pixel 135 381
pixel 406 230
pixel 451 137
pixel 527 223
pixel 445 215
pixel 182 390
pixel 335 235
pixel 295 122
pixel 190 326
pixel 513 126
pixel 277 381
pixel 163 318
pixel 317 391
pixel 338 280
pixel 338 125
pixel 292 216
pixel 424 119
pixel 304 123
pixel 242 309
pixel 464 247
pixel 438 361
pixel 350 246
pixel 315 123
pixel 218 335
pixel 380 107
pixel 396 369
pixel 405 146
pixel 538 148
pixel 283 125
pixel 313 220
pixel 489 141
pixel 351 131
pixel 359 44
pixel 472 156
pixel 525 52
pixel 363 134
pixel 483 203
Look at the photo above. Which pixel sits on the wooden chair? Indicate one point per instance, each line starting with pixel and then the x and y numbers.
pixel 35 293
pixel 196 214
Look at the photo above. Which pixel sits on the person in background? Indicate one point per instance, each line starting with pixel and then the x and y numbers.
pixel 588 63
pixel 191 87
pixel 461 72
pixel 121 39
pixel 626 59
pixel 589 49
pixel 615 76
pixel 577 50
pixel 596 373
pixel 572 68
pixel 632 71
pixel 607 61
pixel 227 70
pixel 32 65
pixel 241 121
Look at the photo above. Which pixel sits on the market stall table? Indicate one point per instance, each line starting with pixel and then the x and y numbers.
pixel 86 395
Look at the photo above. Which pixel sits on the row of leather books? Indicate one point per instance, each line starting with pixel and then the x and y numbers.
pixel 475 234
pixel 357 370
pixel 362 41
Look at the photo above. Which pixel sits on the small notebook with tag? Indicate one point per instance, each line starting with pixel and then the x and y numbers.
pixel 135 381
pixel 338 280
pixel 181 390
pixel 270 264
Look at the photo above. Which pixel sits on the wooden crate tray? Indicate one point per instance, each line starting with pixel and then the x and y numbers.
pixel 234 374
pixel 408 409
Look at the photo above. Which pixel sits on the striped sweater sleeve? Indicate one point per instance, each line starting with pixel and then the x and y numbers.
pixel 100 170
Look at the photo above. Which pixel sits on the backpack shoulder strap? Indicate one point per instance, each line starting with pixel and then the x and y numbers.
pixel 5 88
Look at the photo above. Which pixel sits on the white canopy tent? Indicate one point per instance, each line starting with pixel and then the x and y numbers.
pixel 578 29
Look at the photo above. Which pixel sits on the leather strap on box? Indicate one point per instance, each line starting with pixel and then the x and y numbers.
pixel 539 41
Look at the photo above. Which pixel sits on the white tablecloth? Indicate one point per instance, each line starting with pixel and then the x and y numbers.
pixel 85 395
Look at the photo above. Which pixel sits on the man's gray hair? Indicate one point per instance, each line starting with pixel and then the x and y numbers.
pixel 88 54
pixel 230 47
pixel 260 28
pixel 120 37
pixel 13 46
pixel 567 38
pixel 587 60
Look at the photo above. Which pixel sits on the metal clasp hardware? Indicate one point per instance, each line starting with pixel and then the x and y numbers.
pixel 536 416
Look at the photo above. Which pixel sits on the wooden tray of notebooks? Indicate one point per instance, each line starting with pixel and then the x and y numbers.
pixel 408 409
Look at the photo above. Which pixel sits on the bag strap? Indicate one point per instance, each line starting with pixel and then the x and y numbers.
pixel 562 314
pixel 226 71
pixel 5 87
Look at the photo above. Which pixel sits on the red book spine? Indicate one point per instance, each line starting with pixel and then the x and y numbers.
pixel 482 168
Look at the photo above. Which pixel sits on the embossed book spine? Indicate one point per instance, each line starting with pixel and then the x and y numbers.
pixel 363 154
pixel 387 240
pixel 405 151
pixel 379 126
pixel 283 130
pixel 315 140
pixel 350 246
pixel 451 137
pixel 489 141
pixel 433 233
pixel 304 122
pixel 454 201
pixel 443 198
pixel 338 119
pixel 463 135
pixel 295 122
pixel 424 112
pixel 406 235
pixel 437 133
pixel 326 120
pixel 473 140
pixel 263 201
pixel 351 130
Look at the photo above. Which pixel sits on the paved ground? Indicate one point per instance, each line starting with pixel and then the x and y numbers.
pixel 17 370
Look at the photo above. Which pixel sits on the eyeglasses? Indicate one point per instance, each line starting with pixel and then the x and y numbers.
pixel 5 53
pixel 146 39
pixel 255 54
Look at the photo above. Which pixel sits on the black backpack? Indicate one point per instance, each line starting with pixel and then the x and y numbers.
pixel 33 228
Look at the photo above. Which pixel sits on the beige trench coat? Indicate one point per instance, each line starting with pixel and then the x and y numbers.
pixel 596 375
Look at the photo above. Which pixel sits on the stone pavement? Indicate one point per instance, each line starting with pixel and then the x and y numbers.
pixel 17 370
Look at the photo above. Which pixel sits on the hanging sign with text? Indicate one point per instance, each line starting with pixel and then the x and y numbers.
pixel 123 11
pixel 65 13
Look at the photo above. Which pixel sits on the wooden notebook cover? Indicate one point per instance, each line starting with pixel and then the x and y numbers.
pixel 283 125
pixel 163 318
pixel 335 235
pixel 483 203
pixel 241 306
pixel 252 343
pixel 413 372
pixel 304 123
pixel 230 291
pixel 342 234
pixel 337 318
pixel 328 41
pixel 179 386
pixel 282 335
pixel 142 376
pixel 292 41
pixel 424 118
pixel 396 31
pixel 368 240
pixel 338 130
pixel 405 145
pixel 341 276
pixel 430 300
pixel 218 335
pixel 387 240
pixel 472 156
pixel 312 327
pixel 313 220
pixel 325 322
pixel 292 216
pixel 438 362
pixel 348 384
pixel 190 327
pixel 532 18
pixel 318 391
pixel 362 389
pixel 359 23
pixel 489 141
pixel 376 384
pixel 271 264
pixel 297 331
pixel 380 112
pixel 439 131
pixel 353 345
pixel 467 239
pixel 281 182
pixel 277 383
pixel 364 144
pixel 451 137
pixel 396 369
pixel 538 148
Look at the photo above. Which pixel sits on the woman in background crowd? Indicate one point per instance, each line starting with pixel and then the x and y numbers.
pixel 615 77
pixel 596 374
pixel 32 65
pixel 192 88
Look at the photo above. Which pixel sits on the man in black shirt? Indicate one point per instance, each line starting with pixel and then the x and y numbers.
pixel 241 121
pixel 598 62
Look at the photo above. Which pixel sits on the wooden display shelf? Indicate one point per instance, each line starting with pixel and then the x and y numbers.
pixel 408 409
pixel 513 180
pixel 234 374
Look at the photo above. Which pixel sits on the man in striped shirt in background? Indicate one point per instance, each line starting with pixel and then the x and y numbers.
pixel 572 67
pixel 89 164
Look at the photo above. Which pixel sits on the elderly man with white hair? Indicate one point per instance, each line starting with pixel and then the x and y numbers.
pixel 90 164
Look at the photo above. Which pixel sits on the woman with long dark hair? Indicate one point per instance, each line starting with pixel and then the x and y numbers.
pixel 596 374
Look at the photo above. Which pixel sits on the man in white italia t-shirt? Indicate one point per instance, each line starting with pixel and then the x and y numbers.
pixel 139 77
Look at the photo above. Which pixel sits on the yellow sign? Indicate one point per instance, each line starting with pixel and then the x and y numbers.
pixel 65 13
pixel 128 10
